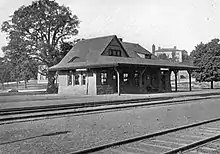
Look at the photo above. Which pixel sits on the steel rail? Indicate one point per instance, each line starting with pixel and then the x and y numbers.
pixel 94 104
pixel 91 104
pixel 146 136
pixel 193 145
pixel 19 116
pixel 78 105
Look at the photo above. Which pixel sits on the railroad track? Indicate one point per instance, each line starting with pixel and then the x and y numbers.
pixel 34 109
pixel 8 116
pixel 29 113
pixel 202 137
pixel 11 111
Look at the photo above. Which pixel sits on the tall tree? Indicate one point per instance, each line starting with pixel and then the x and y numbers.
pixel 163 56
pixel 174 57
pixel 207 58
pixel 65 47
pixel 21 65
pixel 5 69
pixel 185 56
pixel 42 26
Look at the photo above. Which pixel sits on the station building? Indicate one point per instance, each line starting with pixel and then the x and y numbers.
pixel 107 65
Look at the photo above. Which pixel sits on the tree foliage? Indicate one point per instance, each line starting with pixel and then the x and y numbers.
pixel 166 57
pixel 65 47
pixel 21 65
pixel 185 56
pixel 207 58
pixel 174 57
pixel 163 56
pixel 41 28
pixel 4 71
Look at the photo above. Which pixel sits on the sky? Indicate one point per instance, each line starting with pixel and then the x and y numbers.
pixel 165 23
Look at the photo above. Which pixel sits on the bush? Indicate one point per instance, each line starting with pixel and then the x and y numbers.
pixel 13 91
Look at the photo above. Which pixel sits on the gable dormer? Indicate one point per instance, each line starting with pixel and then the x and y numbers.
pixel 115 48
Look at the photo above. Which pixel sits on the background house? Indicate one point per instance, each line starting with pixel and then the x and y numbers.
pixel 175 55
pixel 40 77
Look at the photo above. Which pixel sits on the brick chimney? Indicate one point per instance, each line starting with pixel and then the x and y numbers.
pixel 153 49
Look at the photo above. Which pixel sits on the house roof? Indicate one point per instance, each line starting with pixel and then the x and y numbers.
pixel 87 50
pixel 87 54
pixel 168 50
pixel 135 47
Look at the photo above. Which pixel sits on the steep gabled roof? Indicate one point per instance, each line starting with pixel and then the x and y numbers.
pixel 134 48
pixel 168 50
pixel 87 54
pixel 130 49
pixel 87 50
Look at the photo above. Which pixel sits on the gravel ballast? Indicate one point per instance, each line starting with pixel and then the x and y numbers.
pixel 68 134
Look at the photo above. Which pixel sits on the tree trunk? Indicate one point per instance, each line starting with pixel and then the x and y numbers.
pixel 3 86
pixel 25 84
pixel 51 86
pixel 17 82
pixel 211 84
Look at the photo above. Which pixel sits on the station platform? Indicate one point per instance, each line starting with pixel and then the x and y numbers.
pixel 23 101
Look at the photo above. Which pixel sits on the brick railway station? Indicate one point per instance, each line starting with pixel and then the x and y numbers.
pixel 107 65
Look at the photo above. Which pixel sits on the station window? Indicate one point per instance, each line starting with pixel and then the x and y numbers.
pixel 148 77
pixel 118 53
pixel 125 77
pixel 136 79
pixel 76 79
pixel 103 78
pixel 112 52
pixel 69 78
pixel 83 79
pixel 113 76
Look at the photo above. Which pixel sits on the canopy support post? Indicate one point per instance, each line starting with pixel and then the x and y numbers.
pixel 190 82
pixel 175 73
pixel 118 80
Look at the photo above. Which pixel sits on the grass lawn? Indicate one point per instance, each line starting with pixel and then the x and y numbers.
pixel 32 86
pixel 184 85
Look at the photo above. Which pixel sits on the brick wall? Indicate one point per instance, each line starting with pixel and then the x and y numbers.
pixel 105 89
pixel 110 87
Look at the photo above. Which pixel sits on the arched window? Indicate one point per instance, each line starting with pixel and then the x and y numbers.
pixel 76 79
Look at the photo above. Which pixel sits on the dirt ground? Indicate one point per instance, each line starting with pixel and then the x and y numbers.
pixel 77 132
